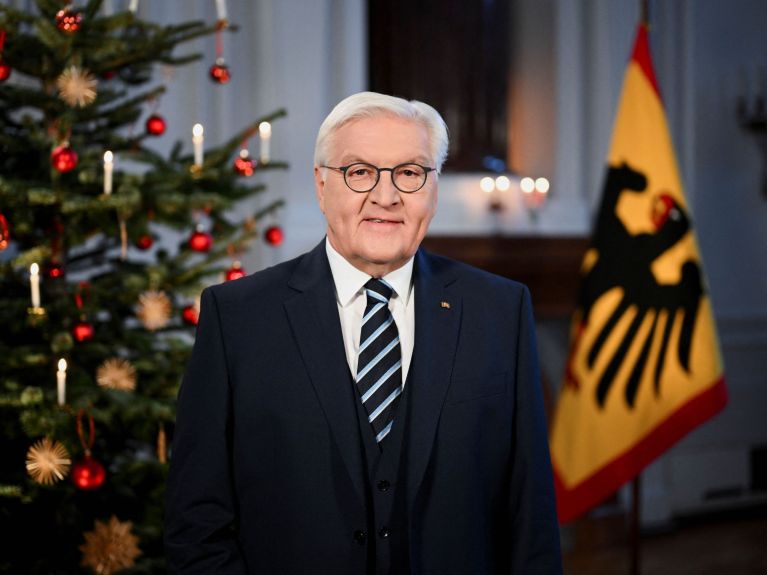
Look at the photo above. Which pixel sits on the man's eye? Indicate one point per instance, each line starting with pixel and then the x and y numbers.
pixel 360 172
pixel 409 173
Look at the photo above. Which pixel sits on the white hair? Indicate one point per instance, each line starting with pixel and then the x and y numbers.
pixel 372 104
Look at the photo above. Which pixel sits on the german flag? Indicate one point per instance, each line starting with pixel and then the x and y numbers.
pixel 644 367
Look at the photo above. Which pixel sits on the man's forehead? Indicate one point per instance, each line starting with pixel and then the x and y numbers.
pixel 396 138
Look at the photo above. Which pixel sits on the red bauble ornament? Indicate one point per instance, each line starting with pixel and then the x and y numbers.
pixel 155 125
pixel 5 69
pixel 5 234
pixel 64 158
pixel 244 164
pixel 219 72
pixel 235 272
pixel 273 235
pixel 67 20
pixel 83 331
pixel 200 241
pixel 190 315
pixel 144 241
pixel 54 270
pixel 88 473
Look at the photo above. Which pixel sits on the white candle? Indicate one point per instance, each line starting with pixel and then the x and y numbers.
pixel 61 381
pixel 221 9
pixel 133 7
pixel 108 167
pixel 265 132
pixel 487 185
pixel 34 282
pixel 197 140
pixel 502 183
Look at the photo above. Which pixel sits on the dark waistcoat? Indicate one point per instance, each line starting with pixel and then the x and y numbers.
pixel 386 538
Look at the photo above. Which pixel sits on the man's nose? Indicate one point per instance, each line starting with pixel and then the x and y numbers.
pixel 385 192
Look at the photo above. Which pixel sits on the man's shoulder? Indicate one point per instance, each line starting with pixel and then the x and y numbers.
pixel 269 283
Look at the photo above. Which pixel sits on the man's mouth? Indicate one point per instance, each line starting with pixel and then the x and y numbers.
pixel 381 221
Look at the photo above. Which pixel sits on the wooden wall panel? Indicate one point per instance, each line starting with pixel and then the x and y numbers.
pixel 454 55
pixel 549 266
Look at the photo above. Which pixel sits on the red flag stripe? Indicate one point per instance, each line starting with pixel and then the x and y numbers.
pixel 641 55
pixel 588 493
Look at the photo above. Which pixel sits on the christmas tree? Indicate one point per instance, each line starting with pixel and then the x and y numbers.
pixel 98 291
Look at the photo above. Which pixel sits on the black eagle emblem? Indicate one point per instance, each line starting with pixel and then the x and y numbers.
pixel 624 260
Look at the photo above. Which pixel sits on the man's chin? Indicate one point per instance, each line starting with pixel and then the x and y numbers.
pixel 380 263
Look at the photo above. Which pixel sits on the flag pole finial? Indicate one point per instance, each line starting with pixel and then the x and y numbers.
pixel 644 12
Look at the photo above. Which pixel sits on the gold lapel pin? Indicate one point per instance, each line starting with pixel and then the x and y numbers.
pixel 444 304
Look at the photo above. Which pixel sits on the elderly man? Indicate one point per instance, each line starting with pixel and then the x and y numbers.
pixel 366 408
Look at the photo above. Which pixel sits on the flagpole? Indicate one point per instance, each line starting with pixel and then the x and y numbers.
pixel 644 12
pixel 634 526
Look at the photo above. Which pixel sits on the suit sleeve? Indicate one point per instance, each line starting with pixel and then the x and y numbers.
pixel 534 543
pixel 201 514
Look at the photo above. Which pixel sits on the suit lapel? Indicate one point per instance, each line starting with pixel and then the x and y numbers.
pixel 313 317
pixel 437 323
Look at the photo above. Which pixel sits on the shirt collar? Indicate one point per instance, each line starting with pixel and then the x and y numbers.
pixel 350 281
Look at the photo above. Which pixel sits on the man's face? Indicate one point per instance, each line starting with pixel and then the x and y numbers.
pixel 377 231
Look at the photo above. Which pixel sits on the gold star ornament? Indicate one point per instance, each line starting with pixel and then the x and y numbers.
pixel 77 87
pixel 110 547
pixel 48 461
pixel 154 309
pixel 117 373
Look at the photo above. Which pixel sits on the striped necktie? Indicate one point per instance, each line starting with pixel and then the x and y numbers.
pixel 379 360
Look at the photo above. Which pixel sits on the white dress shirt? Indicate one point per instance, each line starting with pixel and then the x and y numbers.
pixel 351 299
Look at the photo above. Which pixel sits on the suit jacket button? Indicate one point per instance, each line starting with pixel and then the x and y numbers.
pixel 384 533
pixel 383 485
pixel 360 537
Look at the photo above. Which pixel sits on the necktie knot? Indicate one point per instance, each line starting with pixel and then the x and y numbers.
pixel 378 289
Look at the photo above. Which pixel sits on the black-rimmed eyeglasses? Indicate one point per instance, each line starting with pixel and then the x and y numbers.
pixel 361 177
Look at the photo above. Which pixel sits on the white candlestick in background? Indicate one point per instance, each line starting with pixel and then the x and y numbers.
pixel 527 185
pixel 34 282
pixel 265 132
pixel 133 7
pixel 108 167
pixel 61 381
pixel 221 9
pixel 197 140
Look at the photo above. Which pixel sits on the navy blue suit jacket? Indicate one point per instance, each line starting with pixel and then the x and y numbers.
pixel 266 471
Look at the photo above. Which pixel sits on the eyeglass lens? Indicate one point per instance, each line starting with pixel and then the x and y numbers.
pixel 364 177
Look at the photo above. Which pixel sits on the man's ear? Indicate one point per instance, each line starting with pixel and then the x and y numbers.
pixel 319 187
